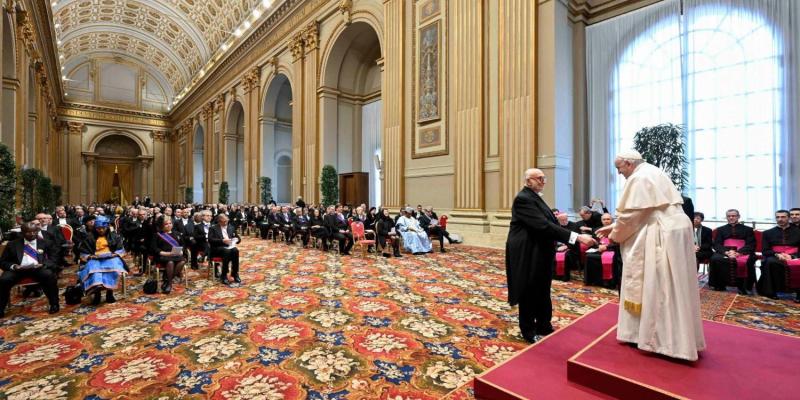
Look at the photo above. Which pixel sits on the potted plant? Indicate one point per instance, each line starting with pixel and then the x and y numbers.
pixel 329 185
pixel 188 195
pixel 665 147
pixel 223 192
pixel 8 184
pixel 265 183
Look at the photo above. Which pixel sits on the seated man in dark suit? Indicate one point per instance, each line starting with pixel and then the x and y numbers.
pixel 275 223
pixel 301 226
pixel 29 257
pixel 590 220
pixel 338 230
pixel 432 227
pixel 222 239
pixel 286 224
pixel 52 233
pixel 702 239
pixel 202 225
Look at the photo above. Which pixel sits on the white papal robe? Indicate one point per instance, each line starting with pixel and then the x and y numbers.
pixel 659 297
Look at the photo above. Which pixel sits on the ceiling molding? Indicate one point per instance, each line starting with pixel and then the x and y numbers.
pixel 83 112
pixel 593 11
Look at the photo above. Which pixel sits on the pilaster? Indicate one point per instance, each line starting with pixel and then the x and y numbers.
pixel 311 154
pixel 72 184
pixel 298 122
pixel 393 145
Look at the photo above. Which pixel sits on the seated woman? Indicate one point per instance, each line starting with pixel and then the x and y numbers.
pixel 604 267
pixel 415 239
pixel 101 252
pixel 384 225
pixel 165 246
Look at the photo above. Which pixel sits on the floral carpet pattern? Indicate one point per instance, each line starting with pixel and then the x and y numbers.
pixel 303 325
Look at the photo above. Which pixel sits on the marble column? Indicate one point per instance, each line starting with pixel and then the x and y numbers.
pixel 252 136
pixel 392 88
pixel 91 175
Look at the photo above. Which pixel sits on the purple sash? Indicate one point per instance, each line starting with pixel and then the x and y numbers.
pixel 33 253
pixel 741 261
pixel 169 239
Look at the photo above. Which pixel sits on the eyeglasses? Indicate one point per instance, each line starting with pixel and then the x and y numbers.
pixel 542 179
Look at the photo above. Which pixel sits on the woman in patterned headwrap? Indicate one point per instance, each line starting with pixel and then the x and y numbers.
pixel 101 253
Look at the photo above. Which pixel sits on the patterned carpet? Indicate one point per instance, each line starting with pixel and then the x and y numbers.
pixel 304 325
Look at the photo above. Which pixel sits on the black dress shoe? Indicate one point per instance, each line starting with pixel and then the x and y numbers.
pixel 225 281
pixel 110 297
pixel 398 255
pixel 53 308
pixel 237 279
pixel 96 298
pixel 544 331
pixel 166 288
pixel 742 292
pixel 529 337
pixel 387 255
pixel 443 250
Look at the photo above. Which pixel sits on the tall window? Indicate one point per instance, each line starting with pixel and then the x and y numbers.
pixel 718 71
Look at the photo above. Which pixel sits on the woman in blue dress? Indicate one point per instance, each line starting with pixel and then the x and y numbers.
pixel 101 253
pixel 415 239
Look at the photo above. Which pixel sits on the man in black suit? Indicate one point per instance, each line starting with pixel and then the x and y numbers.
pixel 61 218
pixel 433 229
pixel 336 224
pixel 52 233
pixel 780 247
pixel 729 256
pixel 222 238
pixel 702 239
pixel 590 220
pixel 200 237
pixel 301 226
pixel 29 257
pixel 287 224
pixel 530 254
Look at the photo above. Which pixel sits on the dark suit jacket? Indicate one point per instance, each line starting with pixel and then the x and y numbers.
pixel 530 248
pixel 706 241
pixel 333 223
pixel 215 235
pixel 13 254
pixel 200 239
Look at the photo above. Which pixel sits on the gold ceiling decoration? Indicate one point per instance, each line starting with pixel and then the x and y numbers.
pixel 177 38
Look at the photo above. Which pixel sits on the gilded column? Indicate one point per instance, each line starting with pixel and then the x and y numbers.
pixel 393 145
pixel 72 183
pixel 91 178
pixel 517 88
pixel 298 164
pixel 216 123
pixel 210 114
pixel 311 154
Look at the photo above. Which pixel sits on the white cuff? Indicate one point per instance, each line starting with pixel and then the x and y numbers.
pixel 573 237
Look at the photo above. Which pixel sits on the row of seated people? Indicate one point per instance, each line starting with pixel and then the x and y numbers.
pixel 601 265
pixel 732 250
pixel 334 224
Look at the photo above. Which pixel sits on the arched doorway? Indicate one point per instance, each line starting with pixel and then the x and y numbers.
pixel 276 134
pixel 9 109
pixel 198 165
pixel 351 105
pixel 234 153
pixel 120 155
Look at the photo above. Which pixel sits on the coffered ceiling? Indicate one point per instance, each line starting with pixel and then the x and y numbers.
pixel 172 40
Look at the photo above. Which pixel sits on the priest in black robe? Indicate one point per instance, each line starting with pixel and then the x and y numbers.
pixel 781 245
pixel 723 269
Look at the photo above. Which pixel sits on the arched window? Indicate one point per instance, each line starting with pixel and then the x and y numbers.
pixel 718 70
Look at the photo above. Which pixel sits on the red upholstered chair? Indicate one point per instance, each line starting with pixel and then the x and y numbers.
pixel 357 228
pixel 443 222
pixel 25 282
pixel 66 230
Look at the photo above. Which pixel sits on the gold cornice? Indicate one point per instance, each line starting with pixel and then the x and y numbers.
pixel 44 21
pixel 589 12
pixel 112 115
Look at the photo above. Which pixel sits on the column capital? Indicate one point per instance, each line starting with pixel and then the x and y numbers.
pixel 219 102
pixel 252 79
pixel 346 8
pixel 296 47
pixel 311 37
pixel 75 128
pixel 89 158
pixel 158 136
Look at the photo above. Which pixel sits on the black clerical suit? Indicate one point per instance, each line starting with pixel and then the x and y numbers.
pixel 773 270
pixel 721 267
pixel 230 257
pixel 530 253
pixel 45 274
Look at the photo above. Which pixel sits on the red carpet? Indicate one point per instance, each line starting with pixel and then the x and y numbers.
pixel 740 363
pixel 540 371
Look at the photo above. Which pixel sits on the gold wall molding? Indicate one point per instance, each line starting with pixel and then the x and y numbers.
pixel 103 114
pixel 593 11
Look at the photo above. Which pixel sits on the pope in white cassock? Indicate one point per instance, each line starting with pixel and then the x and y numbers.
pixel 659 296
